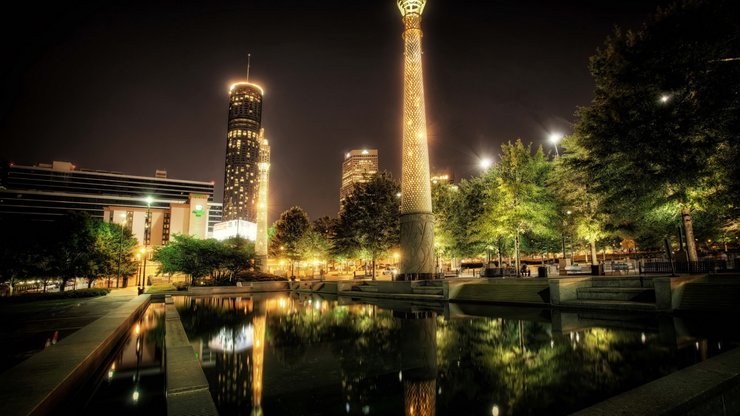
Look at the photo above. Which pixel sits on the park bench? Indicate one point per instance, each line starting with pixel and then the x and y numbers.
pixel 620 267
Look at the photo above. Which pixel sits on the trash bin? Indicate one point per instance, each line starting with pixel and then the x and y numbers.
pixel 542 271
pixel 597 269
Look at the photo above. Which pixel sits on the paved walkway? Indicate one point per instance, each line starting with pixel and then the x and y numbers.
pixel 28 327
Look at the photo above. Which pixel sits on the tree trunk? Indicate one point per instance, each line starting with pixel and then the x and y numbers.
pixel 689 229
pixel 373 266
pixel 516 254
pixel 89 283
pixel 594 255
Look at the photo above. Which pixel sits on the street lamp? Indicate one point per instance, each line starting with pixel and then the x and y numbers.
pixel 486 163
pixel 140 278
pixel 147 237
pixel 120 250
pixel 555 139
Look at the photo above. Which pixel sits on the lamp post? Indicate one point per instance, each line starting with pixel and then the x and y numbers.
pixel 555 139
pixel 147 237
pixel 140 276
pixel 120 250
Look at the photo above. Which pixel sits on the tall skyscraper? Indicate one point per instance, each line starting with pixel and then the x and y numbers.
pixel 357 167
pixel 417 220
pixel 242 152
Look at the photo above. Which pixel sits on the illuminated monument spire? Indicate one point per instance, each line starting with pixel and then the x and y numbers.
pixel 263 186
pixel 417 221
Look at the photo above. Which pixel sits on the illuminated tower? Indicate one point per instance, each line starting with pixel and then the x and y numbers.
pixel 242 152
pixel 260 245
pixel 417 221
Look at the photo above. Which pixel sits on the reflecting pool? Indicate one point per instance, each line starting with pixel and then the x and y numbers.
pixel 281 355
pixel 132 381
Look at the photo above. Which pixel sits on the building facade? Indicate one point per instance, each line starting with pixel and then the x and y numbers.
pixel 241 174
pixel 46 192
pixel 154 227
pixel 358 166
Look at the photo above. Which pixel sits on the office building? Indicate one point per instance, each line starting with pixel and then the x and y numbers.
pixel 358 166
pixel 47 191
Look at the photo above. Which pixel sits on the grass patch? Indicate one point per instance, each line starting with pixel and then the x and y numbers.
pixel 69 294
pixel 163 287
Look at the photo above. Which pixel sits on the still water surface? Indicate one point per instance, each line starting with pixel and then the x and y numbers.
pixel 281 355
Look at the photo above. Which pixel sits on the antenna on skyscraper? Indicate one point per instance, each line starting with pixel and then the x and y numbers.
pixel 249 59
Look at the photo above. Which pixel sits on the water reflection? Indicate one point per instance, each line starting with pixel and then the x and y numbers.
pixel 310 355
pixel 134 378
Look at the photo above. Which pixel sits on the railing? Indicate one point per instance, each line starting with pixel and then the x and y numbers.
pixel 702 266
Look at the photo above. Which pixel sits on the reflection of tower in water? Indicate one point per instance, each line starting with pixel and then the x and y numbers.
pixel 239 352
pixel 258 355
pixel 419 358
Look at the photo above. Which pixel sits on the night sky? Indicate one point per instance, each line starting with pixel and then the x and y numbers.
pixel 139 86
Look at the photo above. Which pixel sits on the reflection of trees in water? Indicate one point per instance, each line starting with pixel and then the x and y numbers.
pixel 517 366
pixel 363 339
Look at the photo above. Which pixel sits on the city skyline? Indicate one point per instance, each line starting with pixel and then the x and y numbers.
pixel 135 88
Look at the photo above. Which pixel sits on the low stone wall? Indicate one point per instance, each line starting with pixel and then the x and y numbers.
pixel 44 381
pixel 566 289
pixel 328 287
pixel 711 387
pixel 187 387
pixel 250 287
pixel 514 291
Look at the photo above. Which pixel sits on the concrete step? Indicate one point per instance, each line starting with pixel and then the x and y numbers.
pixel 619 305
pixel 627 281
pixel 617 293
pixel 430 290
pixel 365 288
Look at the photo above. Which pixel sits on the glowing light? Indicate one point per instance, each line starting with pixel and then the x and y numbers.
pixel 664 98
pixel 135 396
pixel 364 151
pixel 137 329
pixel 236 84
pixel 149 200
pixel 495 410
pixel 642 337
pixel 486 163
pixel 555 138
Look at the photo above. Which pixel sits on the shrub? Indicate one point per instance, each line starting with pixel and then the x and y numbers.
pixel 69 294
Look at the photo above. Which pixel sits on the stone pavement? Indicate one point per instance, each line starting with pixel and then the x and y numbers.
pixel 39 384
pixel 29 328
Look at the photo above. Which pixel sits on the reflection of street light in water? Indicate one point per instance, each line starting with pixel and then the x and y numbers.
pixel 137 331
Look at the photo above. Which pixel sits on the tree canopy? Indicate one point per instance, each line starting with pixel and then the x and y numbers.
pixel 662 127
pixel 369 219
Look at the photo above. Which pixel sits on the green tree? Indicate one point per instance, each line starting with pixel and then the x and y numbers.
pixel 663 124
pixel 369 219
pixel 186 254
pixel 572 187
pixel 72 242
pixel 520 200
pixel 237 255
pixel 290 228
